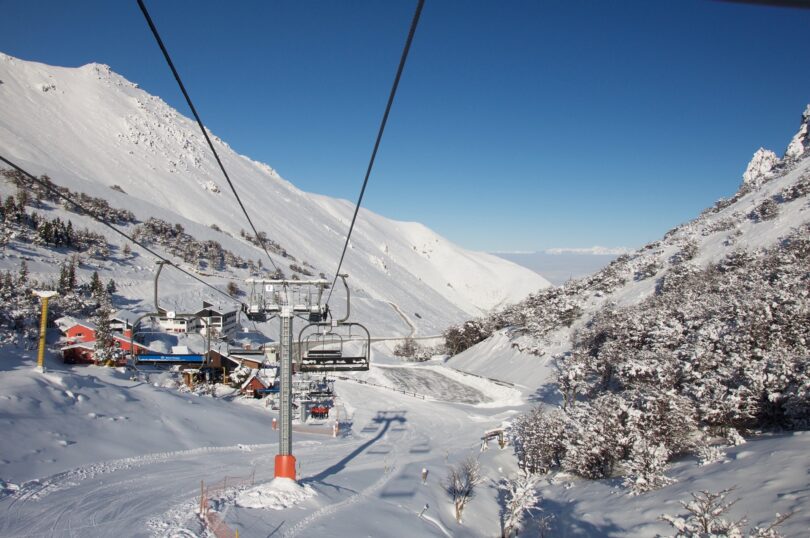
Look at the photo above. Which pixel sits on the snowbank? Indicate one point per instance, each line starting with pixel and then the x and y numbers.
pixel 278 494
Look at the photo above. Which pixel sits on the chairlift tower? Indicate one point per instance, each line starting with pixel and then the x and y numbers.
pixel 286 299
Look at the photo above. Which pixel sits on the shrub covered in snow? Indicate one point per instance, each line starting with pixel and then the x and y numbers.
pixel 520 499
pixel 708 514
pixel 174 239
pixel 766 210
pixel 716 350
pixel 457 338
pixel 46 190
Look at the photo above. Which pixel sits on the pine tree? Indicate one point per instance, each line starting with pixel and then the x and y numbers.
pixel 22 278
pixel 71 281
pixel 64 283
pixel 104 348
pixel 24 198
pixel 9 209
pixel 70 235
pixel 111 287
pixel 96 287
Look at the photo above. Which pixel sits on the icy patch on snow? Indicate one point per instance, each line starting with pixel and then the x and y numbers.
pixel 499 395
pixel 278 494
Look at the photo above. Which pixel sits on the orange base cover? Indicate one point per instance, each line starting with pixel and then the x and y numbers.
pixel 285 466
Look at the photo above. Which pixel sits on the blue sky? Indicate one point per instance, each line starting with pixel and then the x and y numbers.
pixel 518 125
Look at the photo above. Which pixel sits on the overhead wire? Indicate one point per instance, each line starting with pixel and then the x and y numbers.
pixel 56 192
pixel 169 61
pixel 402 60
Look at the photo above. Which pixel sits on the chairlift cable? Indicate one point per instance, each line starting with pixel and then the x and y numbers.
pixel 202 128
pixel 402 60
pixel 103 221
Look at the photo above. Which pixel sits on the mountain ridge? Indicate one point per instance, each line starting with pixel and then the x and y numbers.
pixel 92 129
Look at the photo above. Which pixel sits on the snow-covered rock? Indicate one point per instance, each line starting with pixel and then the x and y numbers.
pixel 801 141
pixel 759 169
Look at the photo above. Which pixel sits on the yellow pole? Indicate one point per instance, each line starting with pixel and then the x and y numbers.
pixel 42 325
pixel 44 296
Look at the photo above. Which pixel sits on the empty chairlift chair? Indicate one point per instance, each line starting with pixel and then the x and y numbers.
pixel 332 349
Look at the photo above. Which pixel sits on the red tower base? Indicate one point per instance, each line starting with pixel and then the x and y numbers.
pixel 285 466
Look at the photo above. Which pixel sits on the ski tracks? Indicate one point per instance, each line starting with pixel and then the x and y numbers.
pixel 388 472
pixel 37 489
pixel 334 508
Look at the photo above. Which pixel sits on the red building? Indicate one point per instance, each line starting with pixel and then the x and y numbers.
pixel 81 337
pixel 252 385
pixel 81 331
pixel 81 353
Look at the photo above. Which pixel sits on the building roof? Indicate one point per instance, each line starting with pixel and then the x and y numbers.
pixel 127 316
pixel 208 309
pixel 265 376
pixel 127 340
pixel 83 345
pixel 254 339
pixel 65 323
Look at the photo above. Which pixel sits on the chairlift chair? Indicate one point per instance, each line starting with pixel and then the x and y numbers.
pixel 256 303
pixel 322 350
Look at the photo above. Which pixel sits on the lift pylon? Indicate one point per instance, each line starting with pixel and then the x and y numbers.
pixel 286 299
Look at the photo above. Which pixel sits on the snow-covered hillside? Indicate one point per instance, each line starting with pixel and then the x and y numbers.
pixel 770 205
pixel 672 357
pixel 89 129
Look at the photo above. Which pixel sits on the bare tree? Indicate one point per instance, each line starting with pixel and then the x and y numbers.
pixel 460 483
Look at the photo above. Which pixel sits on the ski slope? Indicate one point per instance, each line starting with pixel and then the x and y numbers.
pixel 96 454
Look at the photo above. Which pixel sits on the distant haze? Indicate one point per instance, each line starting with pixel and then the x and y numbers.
pixel 557 268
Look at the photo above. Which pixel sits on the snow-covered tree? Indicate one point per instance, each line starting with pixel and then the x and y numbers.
pixel 645 469
pixel 521 498
pixel 104 350
pixel 539 438
pixel 708 514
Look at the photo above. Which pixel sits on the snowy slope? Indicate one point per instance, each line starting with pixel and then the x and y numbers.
pixel 88 451
pixel 90 129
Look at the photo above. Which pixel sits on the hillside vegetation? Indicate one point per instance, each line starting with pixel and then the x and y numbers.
pixel 694 340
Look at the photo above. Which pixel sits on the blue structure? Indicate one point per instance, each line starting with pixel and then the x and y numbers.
pixel 148 358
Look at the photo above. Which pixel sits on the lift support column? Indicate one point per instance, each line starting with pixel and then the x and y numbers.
pixel 285 461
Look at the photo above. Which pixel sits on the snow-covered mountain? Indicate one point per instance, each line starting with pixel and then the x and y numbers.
pixel 90 130
pixel 770 205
